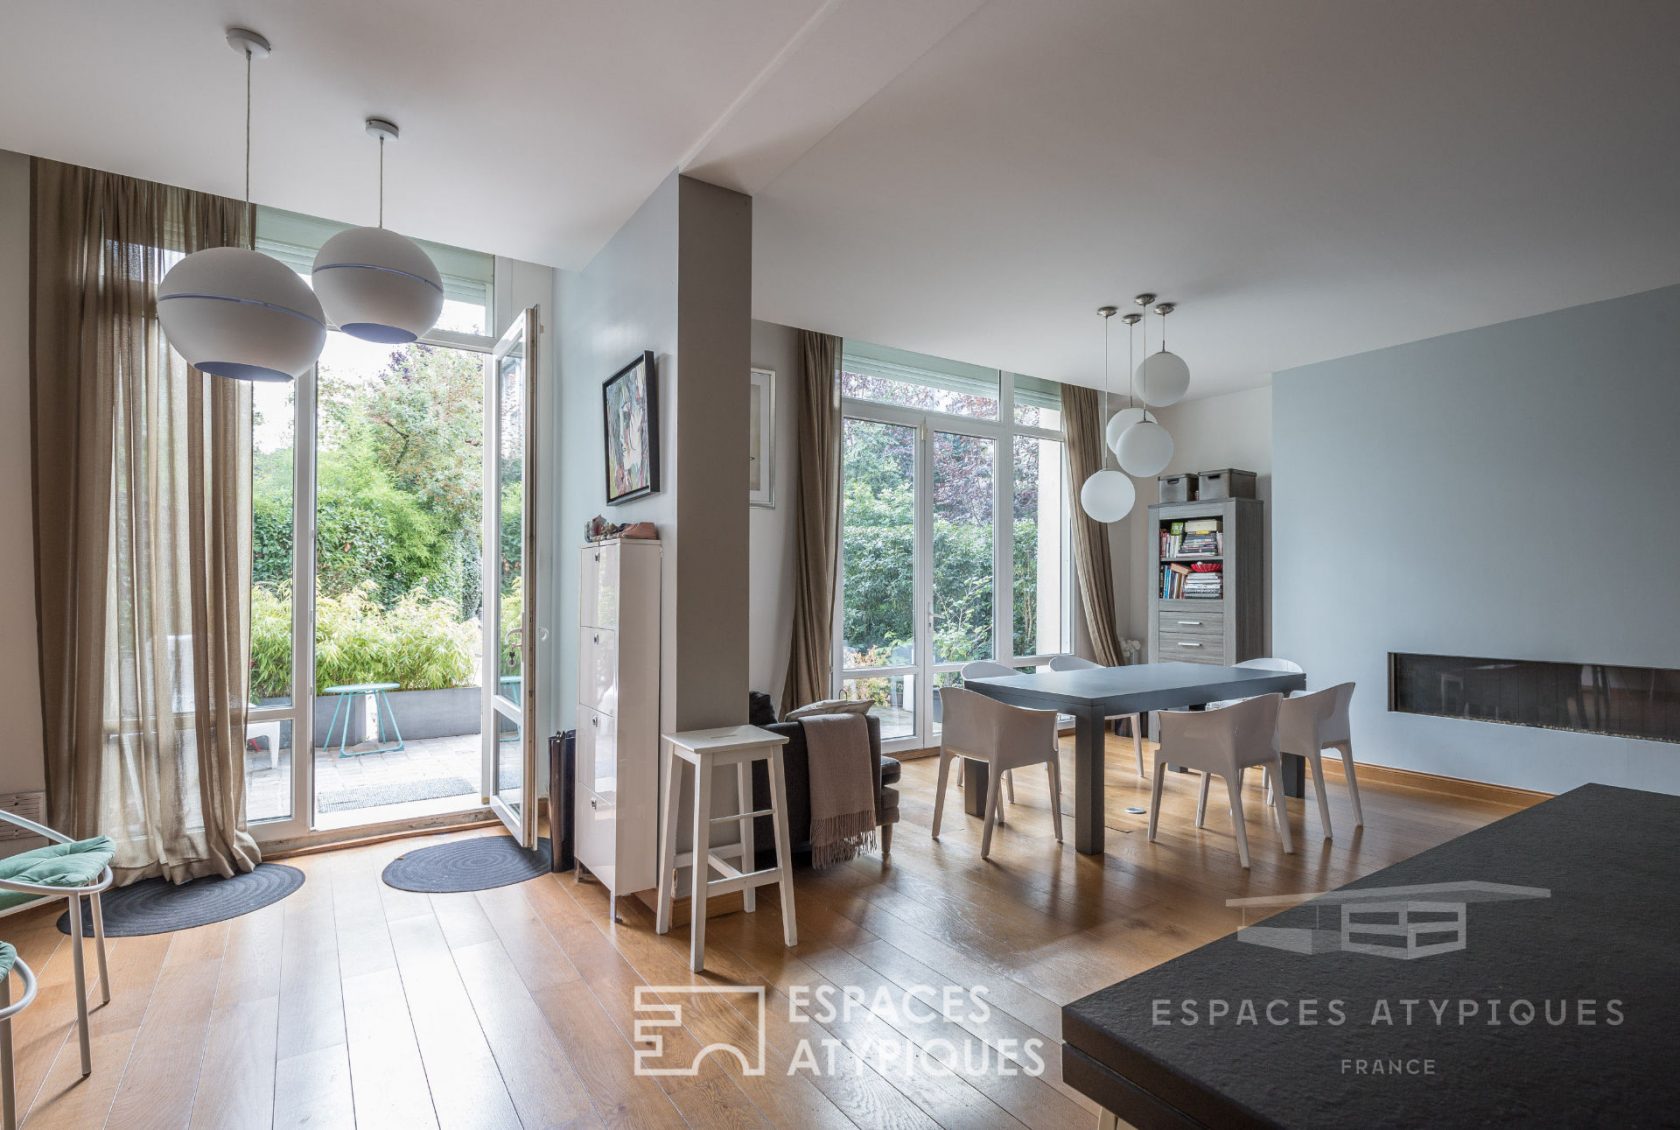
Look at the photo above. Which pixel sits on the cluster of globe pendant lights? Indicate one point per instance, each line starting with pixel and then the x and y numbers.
pixel 1139 443
pixel 235 312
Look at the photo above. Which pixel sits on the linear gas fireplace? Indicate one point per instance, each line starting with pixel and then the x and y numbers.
pixel 1592 698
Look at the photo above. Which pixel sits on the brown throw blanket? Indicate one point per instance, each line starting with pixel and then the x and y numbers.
pixel 842 787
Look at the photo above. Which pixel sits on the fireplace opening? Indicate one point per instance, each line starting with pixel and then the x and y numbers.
pixel 1589 698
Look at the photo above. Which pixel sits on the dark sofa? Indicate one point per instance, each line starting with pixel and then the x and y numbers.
pixel 795 765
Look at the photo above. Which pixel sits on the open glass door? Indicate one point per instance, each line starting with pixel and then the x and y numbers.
pixel 510 653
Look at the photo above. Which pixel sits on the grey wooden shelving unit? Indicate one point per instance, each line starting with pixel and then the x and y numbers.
pixel 1222 631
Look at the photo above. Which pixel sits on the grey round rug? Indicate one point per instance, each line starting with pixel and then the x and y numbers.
pixel 157 906
pixel 467 865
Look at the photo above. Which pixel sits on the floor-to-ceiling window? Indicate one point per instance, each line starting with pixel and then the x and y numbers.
pixel 954 533
pixel 367 511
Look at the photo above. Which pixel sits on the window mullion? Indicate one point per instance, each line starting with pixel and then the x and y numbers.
pixel 1003 526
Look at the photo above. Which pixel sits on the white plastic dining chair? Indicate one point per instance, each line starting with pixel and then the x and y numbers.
pixel 1004 737
pixel 1311 723
pixel 1226 741
pixel 986 669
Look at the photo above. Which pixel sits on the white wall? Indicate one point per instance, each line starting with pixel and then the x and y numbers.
pixel 770 530
pixel 1506 492
pixel 625 301
pixel 1233 430
pixel 675 280
pixel 21 765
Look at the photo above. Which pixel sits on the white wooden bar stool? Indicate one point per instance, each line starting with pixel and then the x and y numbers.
pixel 707 750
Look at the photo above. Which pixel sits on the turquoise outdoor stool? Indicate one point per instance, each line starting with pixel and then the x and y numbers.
pixel 10 962
pixel 345 703
pixel 70 870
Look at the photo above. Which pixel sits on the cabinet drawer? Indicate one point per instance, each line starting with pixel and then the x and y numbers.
pixel 1194 625
pixel 594 833
pixel 1177 648
pixel 599 589
pixel 598 669
pixel 597 754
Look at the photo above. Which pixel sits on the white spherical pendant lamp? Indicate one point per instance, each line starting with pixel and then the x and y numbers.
pixel 1107 496
pixel 375 284
pixel 238 313
pixel 1162 379
pixel 378 285
pixel 1145 449
pixel 1117 425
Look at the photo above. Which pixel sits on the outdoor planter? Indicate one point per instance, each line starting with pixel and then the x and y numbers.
pixel 437 714
pixel 420 714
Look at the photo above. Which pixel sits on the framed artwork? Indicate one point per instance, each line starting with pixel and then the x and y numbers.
pixel 761 439
pixel 630 413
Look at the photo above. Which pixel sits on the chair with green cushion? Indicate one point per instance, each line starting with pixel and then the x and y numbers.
pixel 9 961
pixel 70 870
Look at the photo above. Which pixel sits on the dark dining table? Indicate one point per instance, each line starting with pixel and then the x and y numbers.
pixel 1095 694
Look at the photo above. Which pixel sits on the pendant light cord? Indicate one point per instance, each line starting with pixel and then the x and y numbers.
pixel 1131 366
pixel 1145 322
pixel 1106 319
pixel 250 227
pixel 382 180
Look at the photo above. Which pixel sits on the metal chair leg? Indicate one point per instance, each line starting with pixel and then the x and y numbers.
pixel 6 1083
pixel 99 942
pixel 395 729
pixel 78 962
pixel 332 723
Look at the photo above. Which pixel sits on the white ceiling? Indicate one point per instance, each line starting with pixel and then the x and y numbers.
pixel 969 178
pixel 1309 178
pixel 530 128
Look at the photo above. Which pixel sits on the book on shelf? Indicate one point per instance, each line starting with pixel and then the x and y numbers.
pixel 1201 581
pixel 1193 537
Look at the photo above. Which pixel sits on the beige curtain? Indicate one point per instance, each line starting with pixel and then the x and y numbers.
pixel 142 472
pixel 1082 432
pixel 816 522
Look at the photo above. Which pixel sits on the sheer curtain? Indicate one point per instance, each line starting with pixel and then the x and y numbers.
pixel 816 520
pixel 142 471
pixel 1082 432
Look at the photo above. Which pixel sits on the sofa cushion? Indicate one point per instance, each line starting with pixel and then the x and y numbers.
pixel 761 710
pixel 891 771
pixel 830 706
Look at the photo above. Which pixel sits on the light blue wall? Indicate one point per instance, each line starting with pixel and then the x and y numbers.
pixel 1512 492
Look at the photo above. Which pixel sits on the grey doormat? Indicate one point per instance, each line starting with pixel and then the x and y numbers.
pixel 467 865
pixel 157 906
pixel 395 792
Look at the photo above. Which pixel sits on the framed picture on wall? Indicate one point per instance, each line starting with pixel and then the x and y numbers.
pixel 630 413
pixel 761 439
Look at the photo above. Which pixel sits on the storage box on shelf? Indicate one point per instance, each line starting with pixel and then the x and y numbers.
pixel 1227 482
pixel 1177 488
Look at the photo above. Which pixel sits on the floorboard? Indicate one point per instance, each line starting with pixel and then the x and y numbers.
pixel 352 1004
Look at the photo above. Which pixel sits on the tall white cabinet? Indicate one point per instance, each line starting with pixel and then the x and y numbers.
pixel 615 835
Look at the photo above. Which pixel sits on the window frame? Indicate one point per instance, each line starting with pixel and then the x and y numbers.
pixel 1002 432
